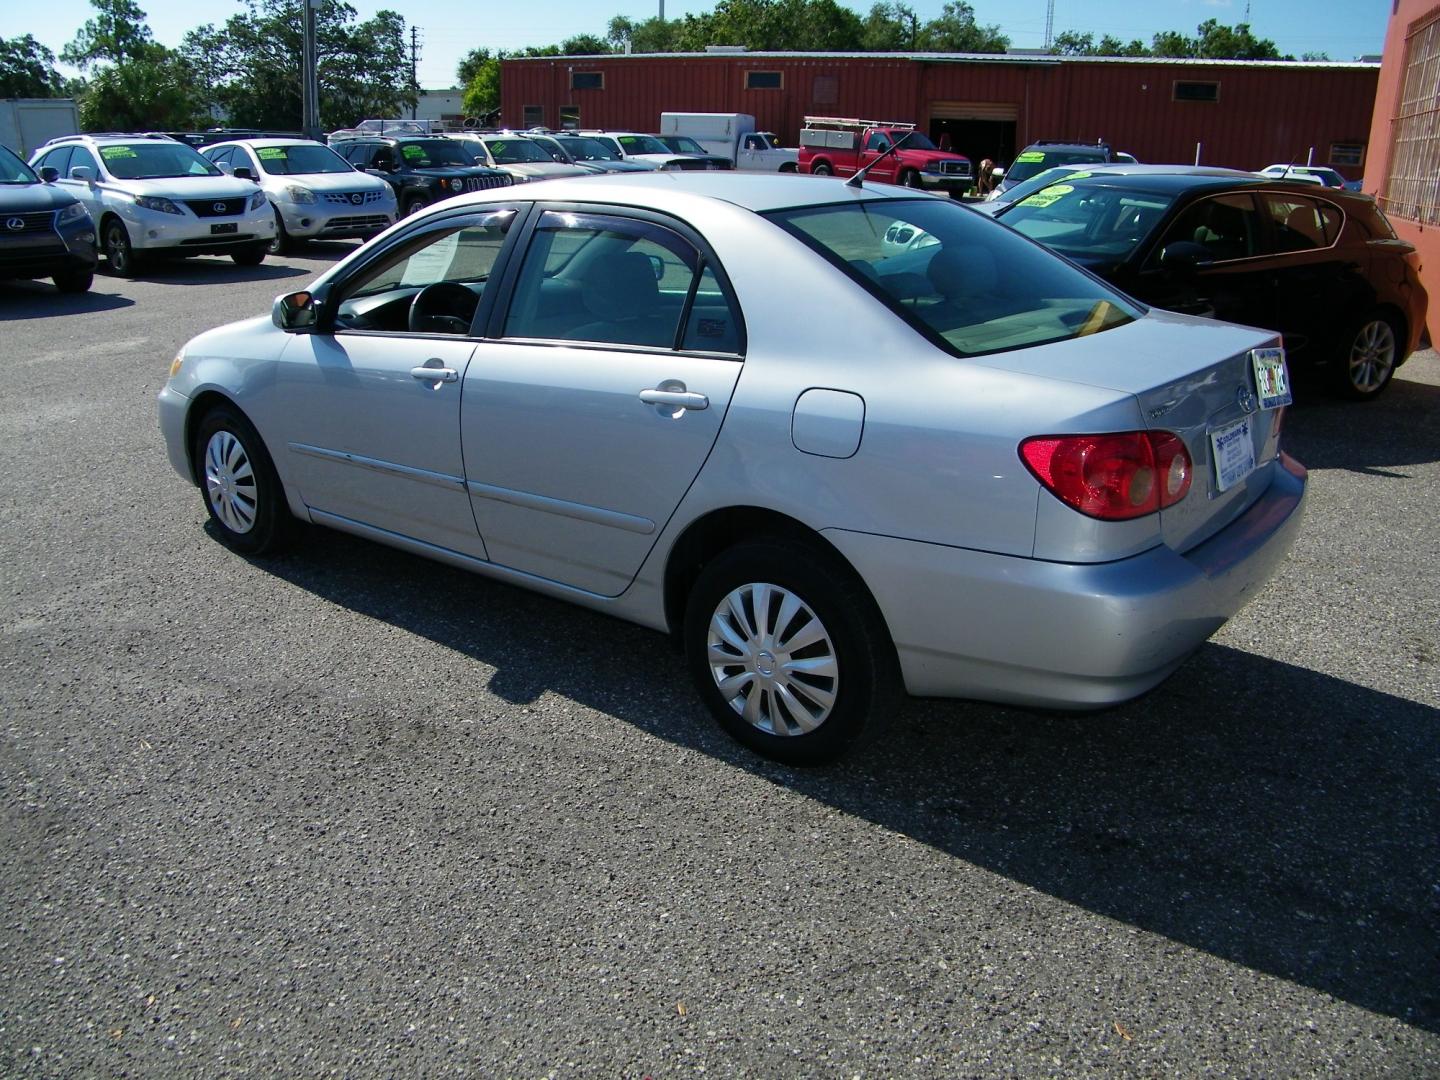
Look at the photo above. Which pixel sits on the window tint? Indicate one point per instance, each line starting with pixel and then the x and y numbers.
pixel 79 155
pixel 218 157
pixel 877 141
pixel 58 159
pixel 1088 221
pixel 160 159
pixel 1295 223
pixel 954 276
pixel 591 277
pixel 1227 226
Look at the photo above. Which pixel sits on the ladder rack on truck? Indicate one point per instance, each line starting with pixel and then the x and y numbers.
pixel 840 133
pixel 839 123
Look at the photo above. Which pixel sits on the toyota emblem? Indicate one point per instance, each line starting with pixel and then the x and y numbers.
pixel 15 224
pixel 219 208
pixel 358 198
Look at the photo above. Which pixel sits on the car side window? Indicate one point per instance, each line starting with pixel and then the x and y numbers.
pixel 1296 223
pixel 59 160
pixel 597 277
pixel 432 284
pixel 877 141
pixel 1227 226
pixel 218 157
pixel 81 156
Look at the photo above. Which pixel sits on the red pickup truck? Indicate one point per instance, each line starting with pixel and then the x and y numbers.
pixel 832 146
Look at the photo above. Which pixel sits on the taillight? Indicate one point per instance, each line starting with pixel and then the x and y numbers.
pixel 1113 477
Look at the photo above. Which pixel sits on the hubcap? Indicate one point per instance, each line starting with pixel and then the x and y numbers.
pixel 116 250
pixel 773 660
pixel 1372 356
pixel 230 482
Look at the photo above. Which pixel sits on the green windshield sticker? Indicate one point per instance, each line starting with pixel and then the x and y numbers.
pixel 109 153
pixel 1029 156
pixel 1048 196
pixel 270 153
pixel 413 153
pixel 1078 175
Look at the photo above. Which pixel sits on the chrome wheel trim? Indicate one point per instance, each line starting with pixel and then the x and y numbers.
pixel 117 248
pixel 772 659
pixel 230 482
pixel 1372 356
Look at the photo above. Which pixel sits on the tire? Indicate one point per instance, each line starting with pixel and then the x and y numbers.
pixel 250 254
pixel 822 169
pixel 910 178
pixel 280 243
pixel 1369 354
pixel 119 252
pixel 74 282
pixel 238 483
pixel 851 679
pixel 789 167
pixel 413 205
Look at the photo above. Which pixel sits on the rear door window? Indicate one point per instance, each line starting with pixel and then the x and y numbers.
pixel 1226 226
pixel 1296 223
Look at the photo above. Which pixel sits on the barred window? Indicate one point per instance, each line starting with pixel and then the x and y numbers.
pixel 1412 187
pixel 534 116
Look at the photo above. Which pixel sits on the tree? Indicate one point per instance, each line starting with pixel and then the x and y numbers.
pixel 773 25
pixel 584 45
pixel 955 30
pixel 118 33
pixel 27 69
pixel 890 27
pixel 652 35
pixel 1071 43
pixel 482 89
pixel 1213 41
pixel 251 66
pixel 137 83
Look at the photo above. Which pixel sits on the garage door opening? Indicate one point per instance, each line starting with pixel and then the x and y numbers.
pixel 977 129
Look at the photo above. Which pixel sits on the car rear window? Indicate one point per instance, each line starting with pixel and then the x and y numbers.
pixel 964 281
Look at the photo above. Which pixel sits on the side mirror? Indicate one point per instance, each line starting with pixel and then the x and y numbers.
pixel 296 312
pixel 657 265
pixel 225 167
pixel 1185 257
pixel 242 172
pixel 81 172
pixel 49 174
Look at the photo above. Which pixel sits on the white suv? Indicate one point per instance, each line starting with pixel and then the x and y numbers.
pixel 151 195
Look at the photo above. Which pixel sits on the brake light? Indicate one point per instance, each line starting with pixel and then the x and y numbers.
pixel 1114 477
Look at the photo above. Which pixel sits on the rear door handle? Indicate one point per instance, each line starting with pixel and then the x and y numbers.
pixel 676 399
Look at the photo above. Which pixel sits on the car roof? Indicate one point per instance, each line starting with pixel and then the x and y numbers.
pixel 264 142
pixel 1165 183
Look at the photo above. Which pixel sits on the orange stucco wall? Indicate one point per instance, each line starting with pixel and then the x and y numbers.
pixel 1377 158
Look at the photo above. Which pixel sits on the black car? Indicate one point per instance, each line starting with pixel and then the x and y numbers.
pixel 1321 266
pixel 422 169
pixel 44 230
pixel 1046 154
pixel 683 144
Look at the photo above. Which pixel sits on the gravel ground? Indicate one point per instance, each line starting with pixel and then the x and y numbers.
pixel 348 813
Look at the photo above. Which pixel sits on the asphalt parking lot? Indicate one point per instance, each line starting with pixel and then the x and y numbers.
pixel 347 812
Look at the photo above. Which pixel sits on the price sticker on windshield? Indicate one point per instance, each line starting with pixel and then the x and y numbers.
pixel 271 153
pixel 111 153
pixel 1046 196
pixel 1030 156
pixel 1272 378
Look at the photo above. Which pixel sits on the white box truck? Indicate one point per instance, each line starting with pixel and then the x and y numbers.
pixel 28 123
pixel 732 135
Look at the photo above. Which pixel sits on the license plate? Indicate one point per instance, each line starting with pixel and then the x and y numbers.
pixel 1272 377
pixel 229 226
pixel 1233 449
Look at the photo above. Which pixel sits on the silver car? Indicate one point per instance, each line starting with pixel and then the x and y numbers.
pixel 719 405
pixel 315 193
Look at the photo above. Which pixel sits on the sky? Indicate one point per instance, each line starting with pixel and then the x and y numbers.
pixel 1343 29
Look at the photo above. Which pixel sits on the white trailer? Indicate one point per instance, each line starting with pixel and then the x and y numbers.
pixel 732 135
pixel 28 123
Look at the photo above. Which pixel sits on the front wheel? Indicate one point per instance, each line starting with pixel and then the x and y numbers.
pixel 788 651
pixel 1370 354
pixel 238 480
pixel 119 253
pixel 279 243
pixel 414 204
pixel 251 254
pixel 74 282
pixel 822 169
pixel 910 178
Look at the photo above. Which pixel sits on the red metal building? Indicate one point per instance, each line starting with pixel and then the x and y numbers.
pixel 1240 113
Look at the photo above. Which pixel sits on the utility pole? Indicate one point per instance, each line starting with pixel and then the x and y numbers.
pixel 1049 25
pixel 414 69
pixel 309 74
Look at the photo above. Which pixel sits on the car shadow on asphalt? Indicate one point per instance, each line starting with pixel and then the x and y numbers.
pixel 212 271
pixel 34 300
pixel 1269 815
pixel 1378 438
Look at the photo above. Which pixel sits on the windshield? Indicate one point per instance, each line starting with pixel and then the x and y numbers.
pixel 1087 222
pixel 915 141
pixel 683 144
pixel 967 285
pixel 505 151
pixel 297 160
pixel 643 144
pixel 1042 180
pixel 588 149
pixel 15 171
pixel 428 153
pixel 1032 161
pixel 154 160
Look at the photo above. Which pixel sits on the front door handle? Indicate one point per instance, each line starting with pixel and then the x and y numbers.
pixel 433 371
pixel 676 399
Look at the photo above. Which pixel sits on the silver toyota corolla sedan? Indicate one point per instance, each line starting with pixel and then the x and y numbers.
pixel 722 406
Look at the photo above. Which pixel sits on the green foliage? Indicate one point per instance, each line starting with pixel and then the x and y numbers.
pixel 584 45
pixel 1072 44
pixel 482 88
pixel 27 69
pixel 652 35
pixel 955 30
pixel 250 67
pixel 1212 41
pixel 890 28
pixel 135 84
pixel 772 25
pixel 116 34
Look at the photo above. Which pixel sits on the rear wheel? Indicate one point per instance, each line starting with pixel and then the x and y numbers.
pixel 74 282
pixel 250 254
pixel 822 169
pixel 238 481
pixel 119 253
pixel 1371 352
pixel 788 651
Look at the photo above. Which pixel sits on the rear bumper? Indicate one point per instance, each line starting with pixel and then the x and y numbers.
pixel 1063 635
